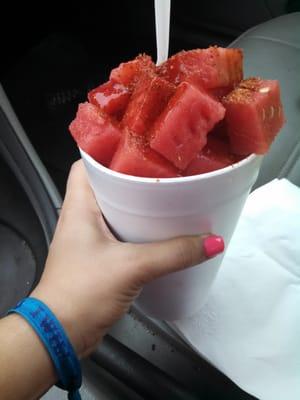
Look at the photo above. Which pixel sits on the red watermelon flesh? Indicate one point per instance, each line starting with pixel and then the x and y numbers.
pixel 149 98
pixel 111 97
pixel 219 131
pixel 129 72
pixel 134 157
pixel 215 155
pixel 180 131
pixel 169 120
pixel 220 92
pixel 254 115
pixel 210 68
pixel 95 133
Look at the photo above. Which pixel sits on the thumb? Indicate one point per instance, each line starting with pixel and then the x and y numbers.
pixel 174 255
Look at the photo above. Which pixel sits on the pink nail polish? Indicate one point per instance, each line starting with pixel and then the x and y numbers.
pixel 213 245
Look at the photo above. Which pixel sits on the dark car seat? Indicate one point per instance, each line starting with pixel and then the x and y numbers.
pixel 272 50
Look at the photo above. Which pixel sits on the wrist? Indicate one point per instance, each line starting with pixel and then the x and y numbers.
pixel 28 338
pixel 20 345
pixel 62 309
pixel 76 323
pixel 53 336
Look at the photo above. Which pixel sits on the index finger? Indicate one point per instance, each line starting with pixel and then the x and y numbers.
pixel 80 205
pixel 79 191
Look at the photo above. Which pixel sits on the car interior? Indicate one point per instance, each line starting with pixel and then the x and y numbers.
pixel 47 67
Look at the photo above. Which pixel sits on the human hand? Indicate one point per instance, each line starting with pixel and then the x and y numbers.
pixel 90 278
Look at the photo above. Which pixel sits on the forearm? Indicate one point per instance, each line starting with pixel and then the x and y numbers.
pixel 26 368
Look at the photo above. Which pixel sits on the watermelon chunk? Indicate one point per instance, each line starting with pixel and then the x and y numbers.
pixel 180 131
pixel 149 98
pixel 111 97
pixel 134 157
pixel 215 155
pixel 219 92
pixel 95 133
pixel 168 121
pixel 219 131
pixel 254 115
pixel 128 73
pixel 210 68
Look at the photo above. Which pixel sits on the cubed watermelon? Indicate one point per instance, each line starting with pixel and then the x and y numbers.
pixel 180 131
pixel 128 73
pixel 95 133
pixel 149 98
pixel 134 157
pixel 210 68
pixel 220 92
pixel 168 121
pixel 215 155
pixel 111 97
pixel 254 115
pixel 219 131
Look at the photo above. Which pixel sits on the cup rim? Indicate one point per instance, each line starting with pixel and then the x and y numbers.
pixel 175 180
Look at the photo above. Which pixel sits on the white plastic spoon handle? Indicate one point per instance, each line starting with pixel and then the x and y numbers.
pixel 162 27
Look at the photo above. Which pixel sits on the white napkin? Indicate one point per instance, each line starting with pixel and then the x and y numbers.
pixel 250 326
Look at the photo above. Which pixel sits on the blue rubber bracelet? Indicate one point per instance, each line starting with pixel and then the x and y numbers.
pixel 52 334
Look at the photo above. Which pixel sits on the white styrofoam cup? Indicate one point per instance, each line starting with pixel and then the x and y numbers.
pixel 149 209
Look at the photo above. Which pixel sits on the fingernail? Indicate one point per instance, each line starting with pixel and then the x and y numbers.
pixel 213 245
